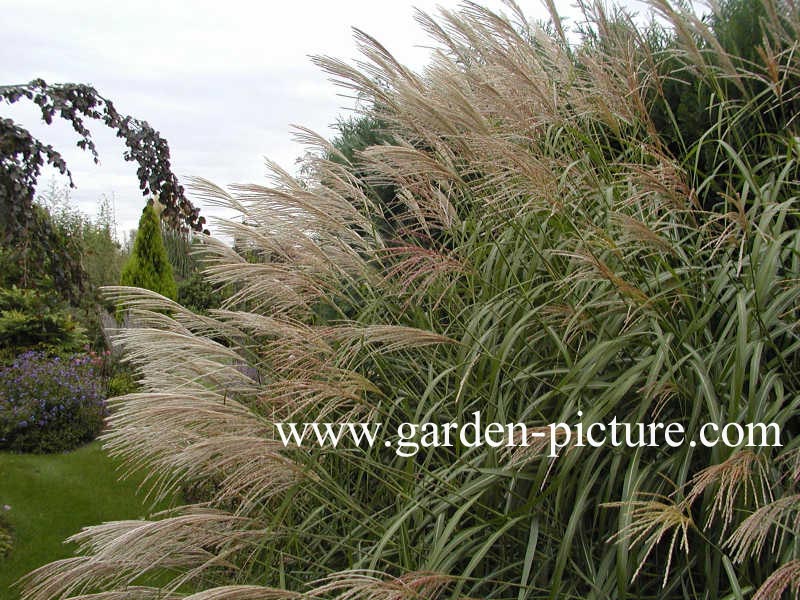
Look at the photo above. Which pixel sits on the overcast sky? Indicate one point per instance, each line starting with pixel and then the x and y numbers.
pixel 222 81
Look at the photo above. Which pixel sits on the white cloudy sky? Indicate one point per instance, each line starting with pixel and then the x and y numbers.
pixel 221 80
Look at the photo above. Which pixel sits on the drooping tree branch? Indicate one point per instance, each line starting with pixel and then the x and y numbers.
pixel 22 155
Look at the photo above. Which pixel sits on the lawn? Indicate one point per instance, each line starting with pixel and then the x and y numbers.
pixel 53 496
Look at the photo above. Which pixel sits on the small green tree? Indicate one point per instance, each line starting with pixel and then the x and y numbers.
pixel 148 266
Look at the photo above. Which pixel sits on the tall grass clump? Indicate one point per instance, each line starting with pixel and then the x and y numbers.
pixel 561 248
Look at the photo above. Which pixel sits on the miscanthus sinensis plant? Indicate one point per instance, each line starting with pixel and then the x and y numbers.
pixel 553 253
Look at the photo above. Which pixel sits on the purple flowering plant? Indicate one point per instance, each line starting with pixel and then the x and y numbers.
pixel 51 403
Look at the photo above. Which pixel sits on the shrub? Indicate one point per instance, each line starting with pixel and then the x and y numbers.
pixel 34 320
pixel 6 536
pixel 51 305
pixel 197 294
pixel 148 266
pixel 50 404
pixel 100 255
pixel 121 382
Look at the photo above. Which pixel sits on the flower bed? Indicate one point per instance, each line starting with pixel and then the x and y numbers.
pixel 50 404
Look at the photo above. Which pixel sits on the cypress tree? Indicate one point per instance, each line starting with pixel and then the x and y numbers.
pixel 148 266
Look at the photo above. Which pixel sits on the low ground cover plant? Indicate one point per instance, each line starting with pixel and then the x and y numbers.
pixel 6 535
pixel 50 403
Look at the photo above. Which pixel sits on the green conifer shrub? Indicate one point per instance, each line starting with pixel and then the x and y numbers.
pixel 35 320
pixel 148 266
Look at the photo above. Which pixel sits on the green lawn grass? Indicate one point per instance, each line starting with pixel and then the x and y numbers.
pixel 53 496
